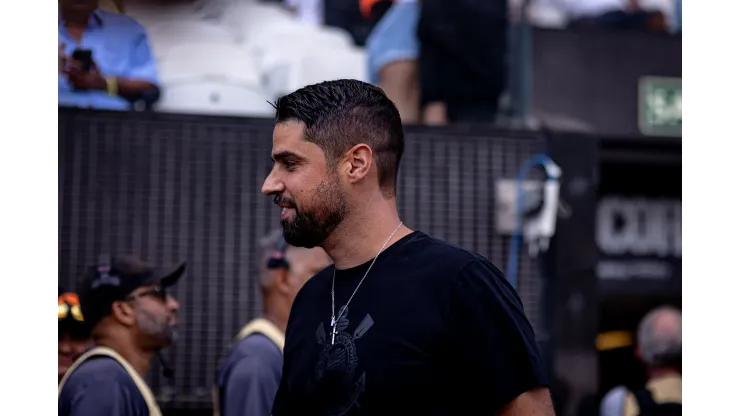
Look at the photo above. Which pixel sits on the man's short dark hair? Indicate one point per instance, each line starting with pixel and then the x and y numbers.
pixel 343 113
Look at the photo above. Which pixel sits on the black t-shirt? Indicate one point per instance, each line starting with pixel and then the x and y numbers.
pixel 101 387
pixel 433 330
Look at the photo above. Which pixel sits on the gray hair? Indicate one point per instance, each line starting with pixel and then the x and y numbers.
pixel 659 337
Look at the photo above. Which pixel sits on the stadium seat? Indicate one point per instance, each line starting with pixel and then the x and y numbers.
pixel 300 38
pixel 214 97
pixel 165 36
pixel 197 59
pixel 248 19
pixel 331 65
pixel 211 79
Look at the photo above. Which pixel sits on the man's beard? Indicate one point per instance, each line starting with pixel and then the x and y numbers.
pixel 310 227
pixel 156 328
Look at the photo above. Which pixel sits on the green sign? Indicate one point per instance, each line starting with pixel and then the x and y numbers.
pixel 660 106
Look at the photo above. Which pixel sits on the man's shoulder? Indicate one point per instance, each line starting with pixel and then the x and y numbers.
pixel 437 244
pixel 98 368
pixel 257 344
pixel 252 355
pixel 256 350
pixel 99 374
pixel 100 385
pixel 447 257
pixel 120 20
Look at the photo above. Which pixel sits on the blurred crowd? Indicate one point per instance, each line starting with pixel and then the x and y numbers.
pixel 124 315
pixel 440 61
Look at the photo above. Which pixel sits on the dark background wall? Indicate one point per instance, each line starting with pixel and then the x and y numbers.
pixel 589 79
pixel 173 188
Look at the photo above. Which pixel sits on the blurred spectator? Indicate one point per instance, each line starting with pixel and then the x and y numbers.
pixel 74 334
pixel 346 15
pixel 659 347
pixel 132 317
pixel 678 18
pixel 104 58
pixel 615 14
pixel 249 378
pixel 393 52
pixel 463 45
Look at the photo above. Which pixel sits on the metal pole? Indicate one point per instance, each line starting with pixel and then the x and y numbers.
pixel 520 68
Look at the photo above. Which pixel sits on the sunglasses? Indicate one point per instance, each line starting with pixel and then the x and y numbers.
pixel 156 292
pixel 69 304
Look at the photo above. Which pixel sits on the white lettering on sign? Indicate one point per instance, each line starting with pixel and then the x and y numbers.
pixel 626 270
pixel 639 227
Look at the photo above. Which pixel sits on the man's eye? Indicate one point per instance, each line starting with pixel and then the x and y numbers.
pixel 289 165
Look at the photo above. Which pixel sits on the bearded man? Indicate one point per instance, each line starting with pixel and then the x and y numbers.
pixel 132 317
pixel 401 323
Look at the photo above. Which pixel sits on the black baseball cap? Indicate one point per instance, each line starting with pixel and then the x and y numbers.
pixel 114 278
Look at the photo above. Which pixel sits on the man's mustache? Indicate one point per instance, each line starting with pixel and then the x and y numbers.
pixel 281 200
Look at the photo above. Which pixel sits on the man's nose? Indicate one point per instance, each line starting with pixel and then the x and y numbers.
pixel 272 185
pixel 172 304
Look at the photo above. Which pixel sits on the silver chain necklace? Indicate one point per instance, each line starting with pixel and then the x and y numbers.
pixel 333 278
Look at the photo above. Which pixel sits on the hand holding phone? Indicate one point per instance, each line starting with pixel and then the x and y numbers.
pixel 84 57
pixel 83 74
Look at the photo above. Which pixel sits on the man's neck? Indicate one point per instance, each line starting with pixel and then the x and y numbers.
pixel 138 359
pixel 272 313
pixel 357 240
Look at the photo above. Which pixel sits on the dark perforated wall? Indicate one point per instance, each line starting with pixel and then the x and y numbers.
pixel 173 188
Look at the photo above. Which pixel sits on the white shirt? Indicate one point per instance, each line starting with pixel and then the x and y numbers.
pixel 309 11
pixel 590 8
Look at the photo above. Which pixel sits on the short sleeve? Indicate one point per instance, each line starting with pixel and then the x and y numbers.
pixel 251 386
pixel 493 340
pixel 141 63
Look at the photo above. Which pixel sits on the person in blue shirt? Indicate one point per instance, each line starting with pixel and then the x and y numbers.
pixel 248 378
pixel 113 67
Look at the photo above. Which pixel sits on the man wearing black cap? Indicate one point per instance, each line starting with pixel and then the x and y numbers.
pixel 132 317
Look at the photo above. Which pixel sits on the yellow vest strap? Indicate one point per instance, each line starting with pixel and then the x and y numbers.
pixel 257 326
pixel 151 403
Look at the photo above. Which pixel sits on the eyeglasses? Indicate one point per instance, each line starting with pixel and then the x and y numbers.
pixel 156 291
pixel 69 303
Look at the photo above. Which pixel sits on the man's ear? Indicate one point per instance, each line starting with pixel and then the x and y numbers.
pixel 359 161
pixel 123 313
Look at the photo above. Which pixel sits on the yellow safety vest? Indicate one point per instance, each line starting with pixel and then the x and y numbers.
pixel 151 403
pixel 257 326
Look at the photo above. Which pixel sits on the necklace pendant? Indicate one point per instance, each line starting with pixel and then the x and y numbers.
pixel 333 334
pixel 333 322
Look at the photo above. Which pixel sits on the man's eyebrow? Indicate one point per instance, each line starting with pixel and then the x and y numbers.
pixel 285 155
